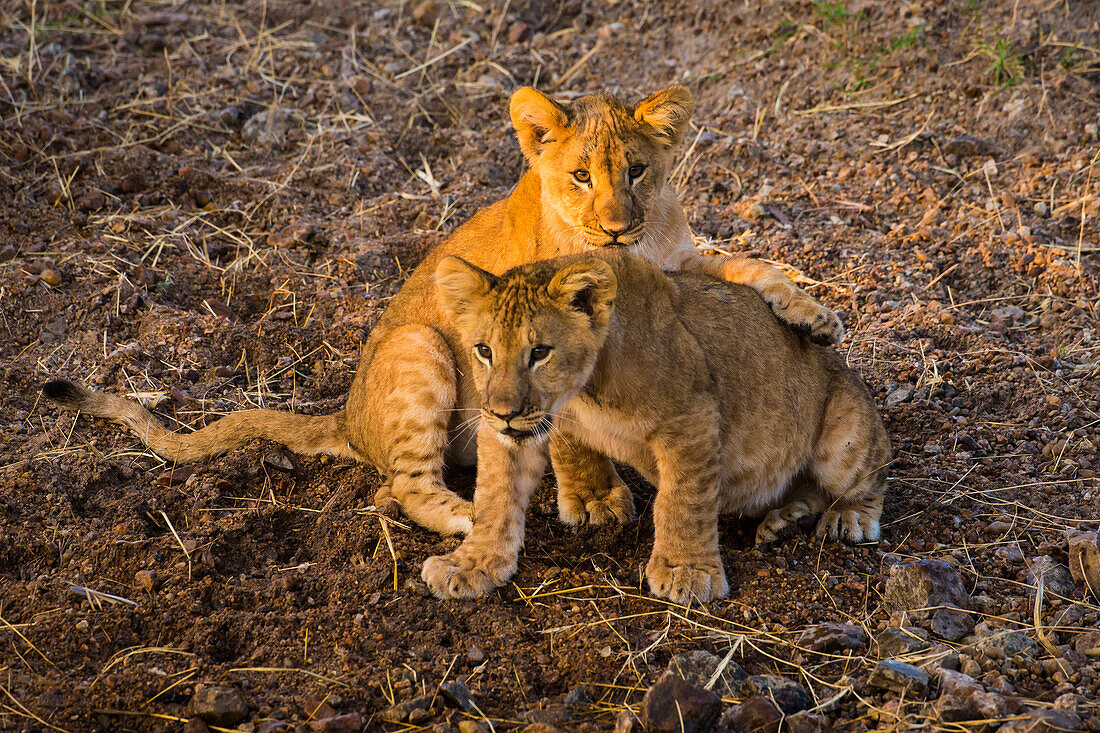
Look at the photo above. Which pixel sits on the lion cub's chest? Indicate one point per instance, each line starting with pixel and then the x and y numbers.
pixel 616 432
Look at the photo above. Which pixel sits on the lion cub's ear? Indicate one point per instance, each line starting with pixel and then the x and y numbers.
pixel 667 112
pixel 537 119
pixel 587 285
pixel 460 285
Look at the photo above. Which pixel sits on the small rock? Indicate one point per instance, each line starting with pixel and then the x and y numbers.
pixel 518 31
pixel 578 697
pixel 788 695
pixel 958 684
pixel 221 706
pixel 1044 721
pixel 551 714
pixel 50 277
pixel 756 714
pixel 349 723
pixel 280 461
pixel 673 705
pixel 471 726
pixel 952 709
pixel 420 716
pixel 475 655
pixel 900 394
pixel 1088 643
pixel 194 725
pixel 400 712
pixel 82 626
pixel 176 476
pixel 890 674
pixel 147 580
pixel 833 637
pixel 920 587
pixel 426 13
pixel 805 722
pixel 897 641
pixel 950 624
pixel 992 706
pixel 1084 560
pixel 1007 644
pixel 1056 578
pixel 458 695
pixel 698 667
pixel 625 722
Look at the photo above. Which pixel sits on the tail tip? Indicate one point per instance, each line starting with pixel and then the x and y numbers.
pixel 64 393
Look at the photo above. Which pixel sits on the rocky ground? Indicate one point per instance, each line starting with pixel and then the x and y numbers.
pixel 207 204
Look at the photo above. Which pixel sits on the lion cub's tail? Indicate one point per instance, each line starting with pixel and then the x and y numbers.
pixel 306 434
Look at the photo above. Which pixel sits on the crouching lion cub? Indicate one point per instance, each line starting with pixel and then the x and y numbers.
pixel 690 380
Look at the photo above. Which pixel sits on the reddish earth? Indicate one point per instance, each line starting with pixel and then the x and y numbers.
pixel 208 205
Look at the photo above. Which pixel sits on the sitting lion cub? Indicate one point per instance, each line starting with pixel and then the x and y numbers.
pixel 690 380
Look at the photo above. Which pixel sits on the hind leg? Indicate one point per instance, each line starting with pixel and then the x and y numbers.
pixel 850 466
pixel 400 410
pixel 589 488
pixel 805 500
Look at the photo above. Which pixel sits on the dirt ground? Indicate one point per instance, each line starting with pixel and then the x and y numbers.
pixel 208 204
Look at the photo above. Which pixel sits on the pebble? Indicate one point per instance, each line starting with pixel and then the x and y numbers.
pixel 698 667
pixel 896 641
pixel 952 709
pixel 958 683
pixel 951 625
pixel 426 13
pixel 755 714
pixel 475 655
pixel 788 695
pixel 674 705
pixel 348 723
pixel 1084 560
pixel 400 712
pixel 471 726
pixel 805 722
pixel 901 677
pixel 456 694
pixel 221 706
pixel 833 637
pixel 147 580
pixel 518 31
pixel 917 587
pixel 1056 578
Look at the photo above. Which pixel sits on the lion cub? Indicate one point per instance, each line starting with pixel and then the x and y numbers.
pixel 690 380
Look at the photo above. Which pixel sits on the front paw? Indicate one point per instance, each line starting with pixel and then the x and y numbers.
pixel 462 575
pixel 850 525
pixel 806 314
pixel 616 506
pixel 684 581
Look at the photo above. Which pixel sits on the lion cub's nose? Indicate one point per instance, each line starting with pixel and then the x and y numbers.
pixel 504 412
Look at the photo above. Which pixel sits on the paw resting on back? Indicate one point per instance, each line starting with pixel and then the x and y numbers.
pixel 805 314
pixel 616 506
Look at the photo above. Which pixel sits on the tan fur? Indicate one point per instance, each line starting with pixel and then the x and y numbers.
pixel 412 405
pixel 689 380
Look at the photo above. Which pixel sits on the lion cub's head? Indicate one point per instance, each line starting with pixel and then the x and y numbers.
pixel 602 163
pixel 533 334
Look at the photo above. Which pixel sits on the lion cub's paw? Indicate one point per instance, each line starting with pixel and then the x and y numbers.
pixel 778 520
pixel 804 313
pixel 684 582
pixel 616 506
pixel 849 525
pixel 460 575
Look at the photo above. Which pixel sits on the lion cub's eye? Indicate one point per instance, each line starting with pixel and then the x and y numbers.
pixel 636 172
pixel 582 175
pixel 539 353
pixel 484 352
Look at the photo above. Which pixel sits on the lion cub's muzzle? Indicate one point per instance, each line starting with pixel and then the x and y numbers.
pixel 520 428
